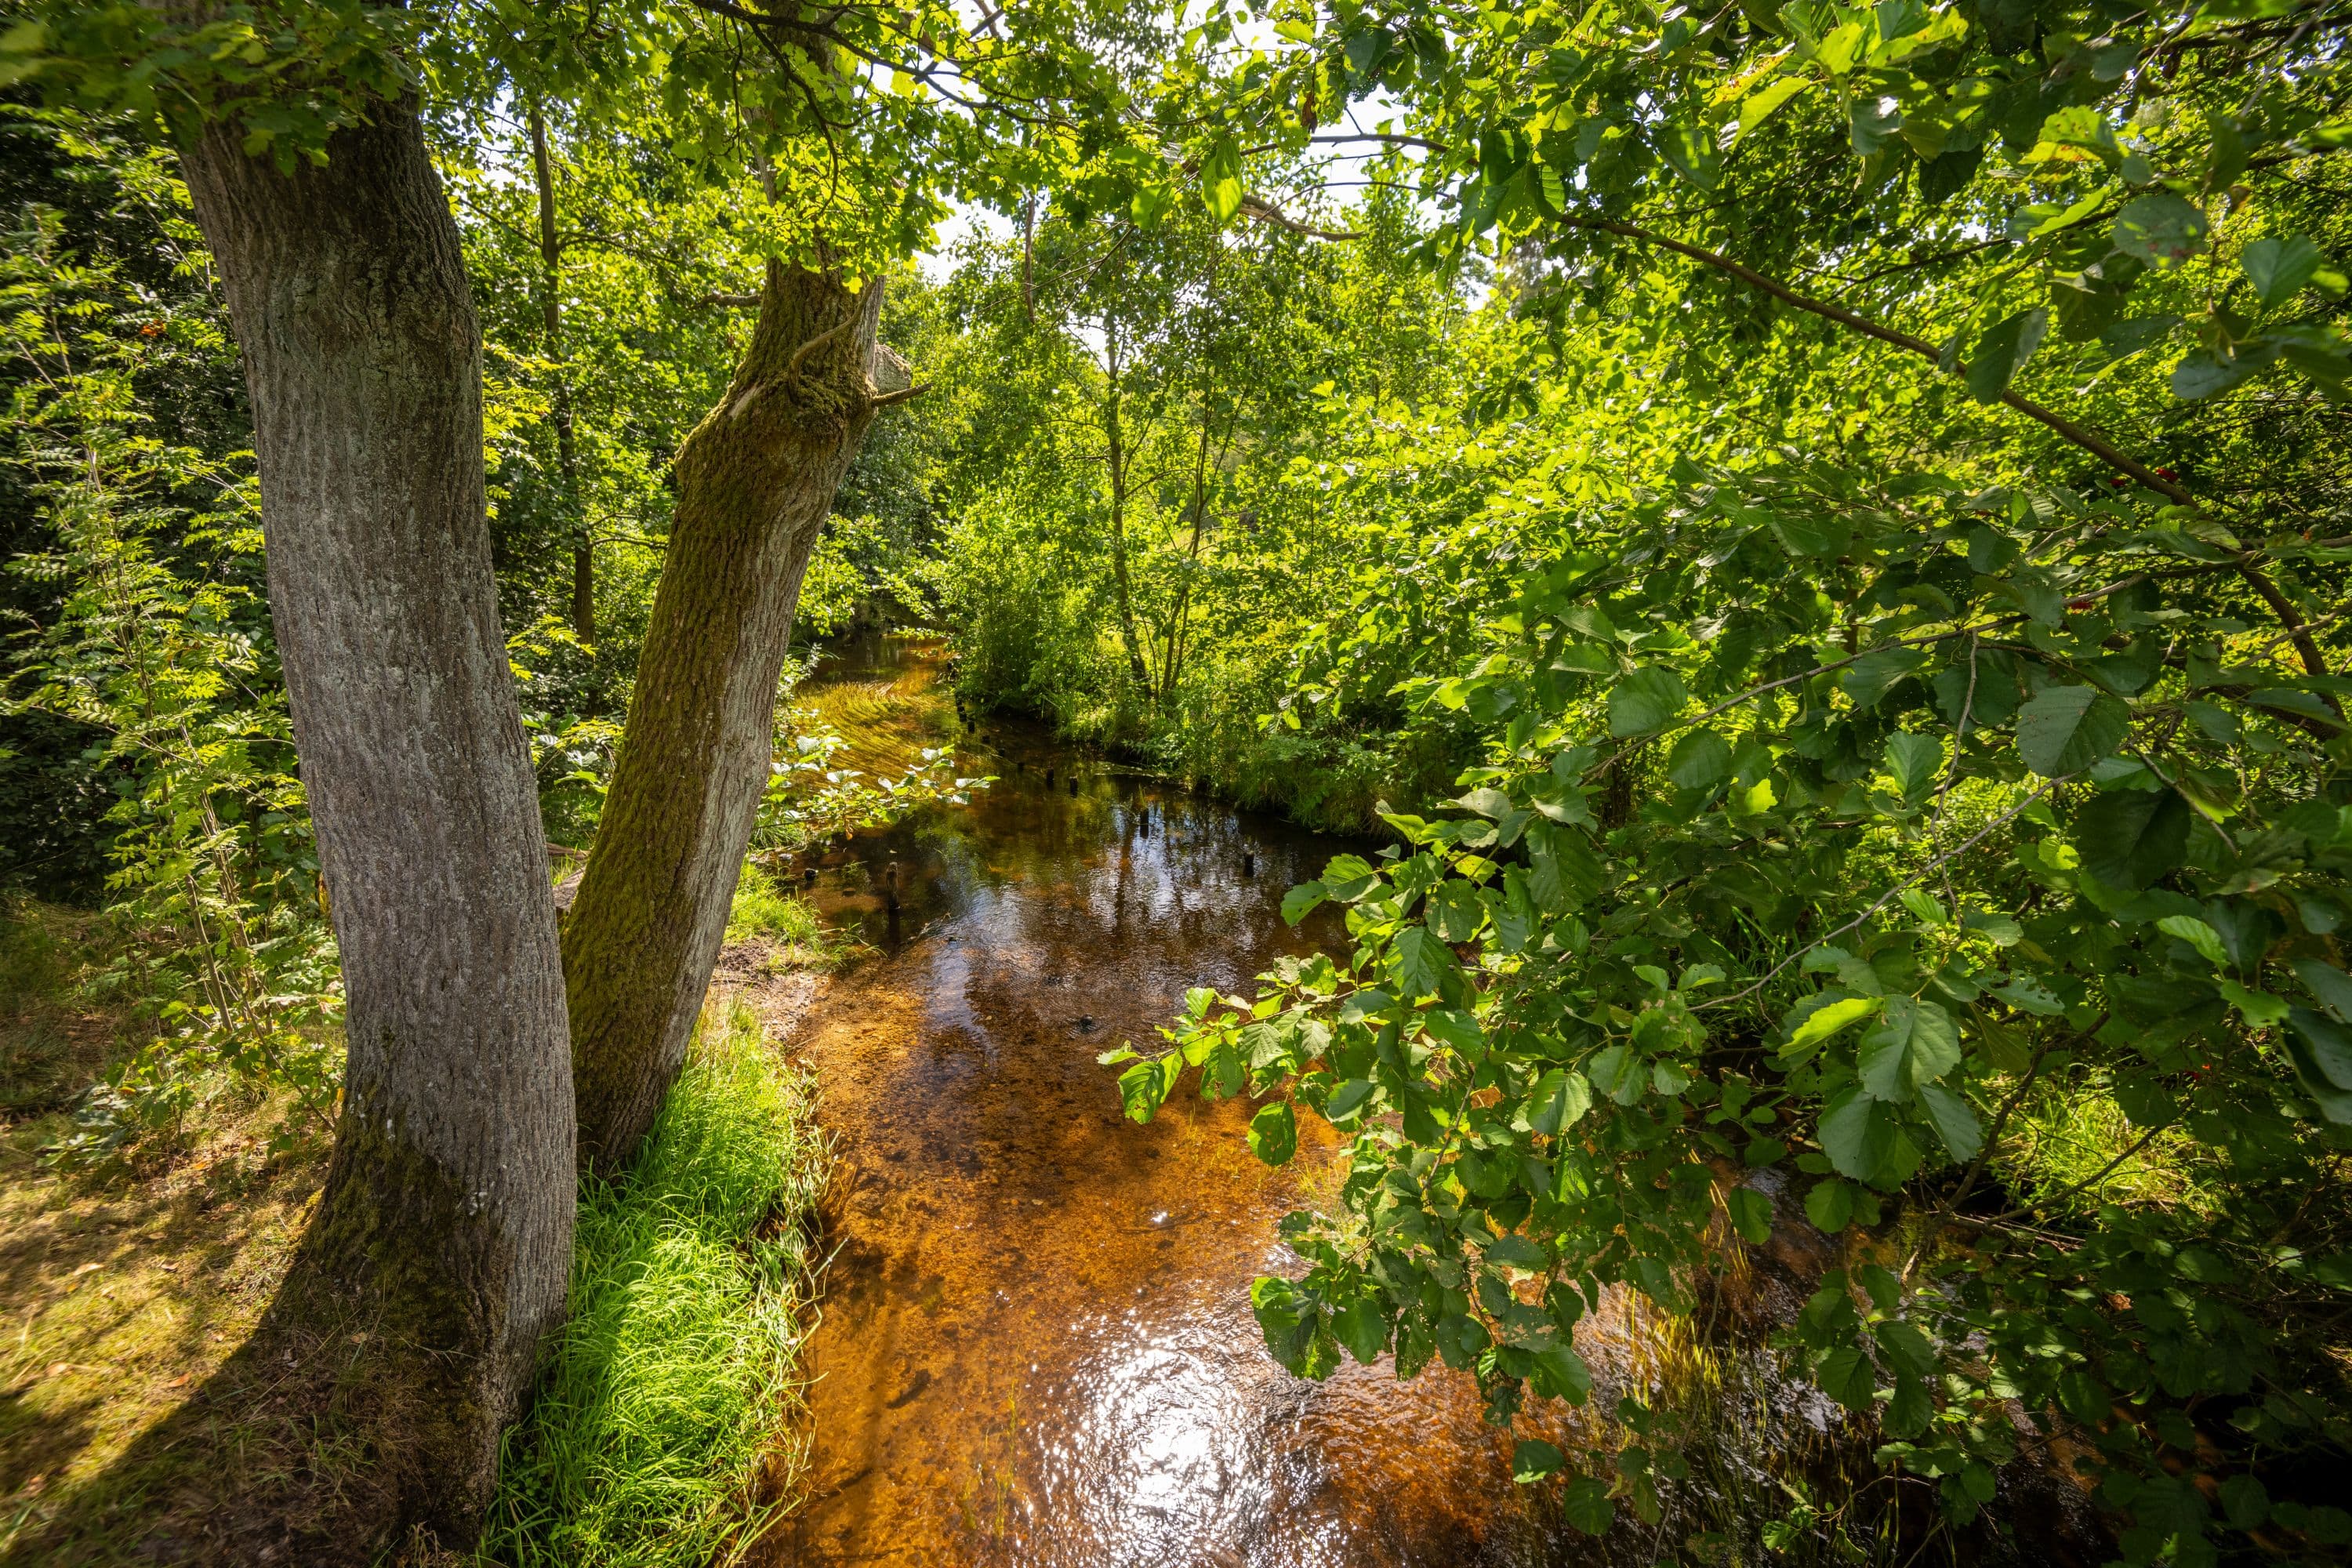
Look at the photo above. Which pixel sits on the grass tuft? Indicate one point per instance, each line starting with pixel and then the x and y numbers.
pixel 783 921
pixel 659 1434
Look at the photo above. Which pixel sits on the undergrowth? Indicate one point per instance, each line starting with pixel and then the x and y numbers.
pixel 767 912
pixel 657 1437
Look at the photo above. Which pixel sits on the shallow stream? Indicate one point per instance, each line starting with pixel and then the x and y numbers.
pixel 1036 1346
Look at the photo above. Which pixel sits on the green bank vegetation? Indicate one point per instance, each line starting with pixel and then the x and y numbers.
pixel 661 1434
pixel 1818 535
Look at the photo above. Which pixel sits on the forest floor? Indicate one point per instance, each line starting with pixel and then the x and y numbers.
pixel 128 1286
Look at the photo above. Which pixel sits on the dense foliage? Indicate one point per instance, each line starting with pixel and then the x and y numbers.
pixel 1868 775
pixel 1818 534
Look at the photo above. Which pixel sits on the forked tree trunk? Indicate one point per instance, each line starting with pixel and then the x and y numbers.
pixel 444 1227
pixel 755 480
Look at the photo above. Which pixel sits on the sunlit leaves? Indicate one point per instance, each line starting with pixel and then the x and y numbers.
pixel 2280 269
pixel 1221 178
pixel 1423 963
pixel 2002 352
pixel 2161 230
pixel 1701 759
pixel 1914 1044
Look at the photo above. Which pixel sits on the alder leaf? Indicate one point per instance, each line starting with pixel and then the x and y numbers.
pixel 2068 728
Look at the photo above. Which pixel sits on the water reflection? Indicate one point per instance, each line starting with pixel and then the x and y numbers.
pixel 1038 1348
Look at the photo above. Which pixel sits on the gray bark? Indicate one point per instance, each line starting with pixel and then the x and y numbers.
pixel 448 1211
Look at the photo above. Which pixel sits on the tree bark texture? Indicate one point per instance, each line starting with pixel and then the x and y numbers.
pixel 755 480
pixel 446 1220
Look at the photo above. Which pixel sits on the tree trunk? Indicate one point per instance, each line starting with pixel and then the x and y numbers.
pixel 1114 431
pixel 445 1222
pixel 755 480
pixel 567 458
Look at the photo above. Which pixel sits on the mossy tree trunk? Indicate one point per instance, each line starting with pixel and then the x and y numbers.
pixel 755 480
pixel 444 1227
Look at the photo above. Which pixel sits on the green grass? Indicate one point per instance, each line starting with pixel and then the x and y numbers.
pixel 661 1435
pixel 762 911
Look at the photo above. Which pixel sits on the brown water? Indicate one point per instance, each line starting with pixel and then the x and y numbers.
pixel 1036 1346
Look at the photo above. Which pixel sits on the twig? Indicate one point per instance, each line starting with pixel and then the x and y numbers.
pixel 1884 898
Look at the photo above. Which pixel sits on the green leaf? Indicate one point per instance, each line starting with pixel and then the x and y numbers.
pixel 1873 675
pixel 2327 982
pixel 1845 1376
pixel 2320 1050
pixel 1830 1204
pixel 2259 1008
pixel 1689 148
pixel 1764 102
pixel 1561 1098
pixel 1487 801
pixel 1221 179
pixel 2085 1398
pixel 2280 269
pixel 1534 1460
pixel 2245 1502
pixel 1646 702
pixel 1584 1502
pixel 2002 352
pixel 2131 838
pixel 1907 1413
pixel 1954 1119
pixel 1913 762
pixel 1144 1088
pixel 1915 1044
pixel 1423 963
pixel 1360 1326
pixel 1700 760
pixel 1301 899
pixel 1349 878
pixel 1347 1099
pixel 2068 728
pixel 1273 1133
pixel 1454 910
pixel 1751 1215
pixel 1829 1018
pixel 1857 1134
pixel 2161 230
pixel 1515 1251
pixel 2202 373
pixel 2198 935
pixel 1460 1340
pixel 1561 1373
